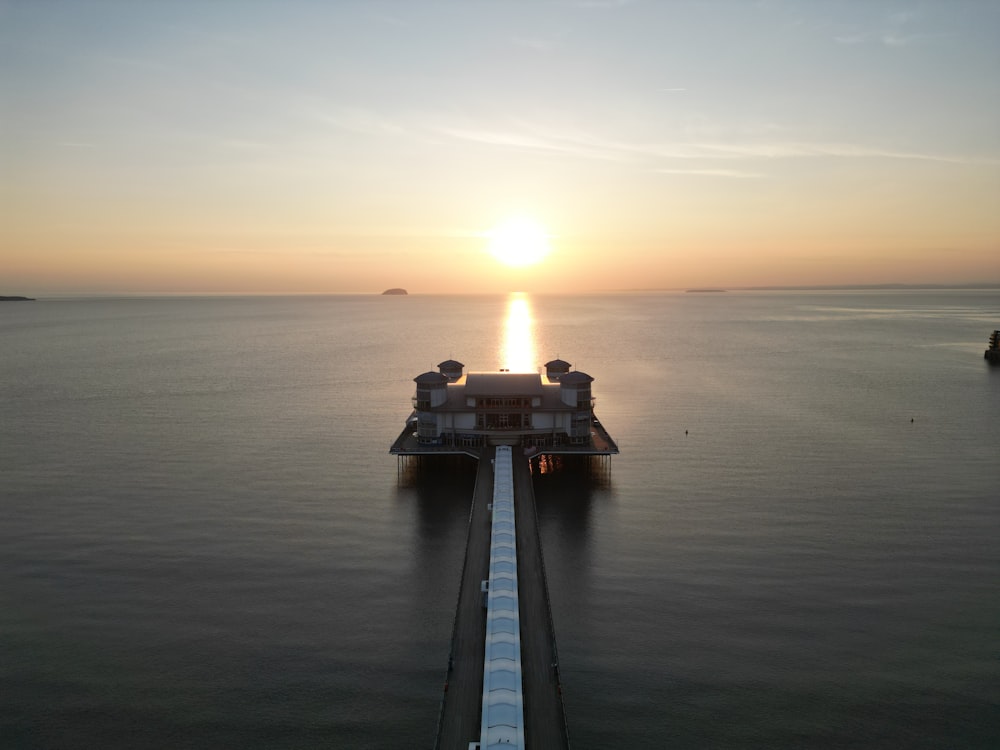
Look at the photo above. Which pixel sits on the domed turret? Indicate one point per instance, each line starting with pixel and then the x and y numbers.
pixel 451 369
pixel 575 389
pixel 432 390
pixel 555 369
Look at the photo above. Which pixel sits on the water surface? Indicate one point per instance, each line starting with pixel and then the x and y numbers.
pixel 204 543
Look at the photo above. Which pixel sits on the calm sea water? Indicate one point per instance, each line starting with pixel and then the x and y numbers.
pixel 204 543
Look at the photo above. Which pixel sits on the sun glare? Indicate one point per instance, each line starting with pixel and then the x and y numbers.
pixel 518 242
pixel 517 349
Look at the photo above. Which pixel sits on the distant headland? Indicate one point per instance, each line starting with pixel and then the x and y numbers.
pixel 17 299
pixel 395 290
pixel 703 291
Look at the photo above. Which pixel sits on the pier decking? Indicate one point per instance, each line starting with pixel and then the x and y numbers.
pixel 544 717
pixel 407 444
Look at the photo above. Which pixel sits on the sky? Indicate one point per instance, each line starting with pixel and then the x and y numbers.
pixel 348 147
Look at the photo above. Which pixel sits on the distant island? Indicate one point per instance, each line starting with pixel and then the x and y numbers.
pixel 395 290
pixel 30 299
pixel 702 291
pixel 974 285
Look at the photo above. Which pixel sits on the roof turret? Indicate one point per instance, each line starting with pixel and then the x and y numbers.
pixel 451 368
pixel 431 378
pixel 557 365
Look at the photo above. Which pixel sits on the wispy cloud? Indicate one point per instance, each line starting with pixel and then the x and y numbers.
pixel 595 147
pixel 532 137
pixel 243 144
pixel 903 17
pixel 793 149
pixel 905 40
pixel 728 173
pixel 897 30
pixel 854 38
pixel 363 121
pixel 888 39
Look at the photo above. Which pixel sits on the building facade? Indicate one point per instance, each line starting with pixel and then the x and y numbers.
pixel 554 410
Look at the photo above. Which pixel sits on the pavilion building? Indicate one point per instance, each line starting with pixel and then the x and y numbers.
pixel 458 412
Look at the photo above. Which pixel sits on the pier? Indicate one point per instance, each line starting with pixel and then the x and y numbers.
pixel 502 687
pixel 459 724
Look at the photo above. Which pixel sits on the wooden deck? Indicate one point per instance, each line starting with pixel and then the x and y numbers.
pixel 544 718
pixel 462 703
pixel 600 444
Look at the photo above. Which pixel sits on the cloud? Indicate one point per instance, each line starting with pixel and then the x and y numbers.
pixel 730 173
pixel 903 17
pixel 855 38
pixel 792 150
pixel 896 31
pixel 904 40
pixel 555 144
pixel 527 136
pixel 894 40
pixel 358 120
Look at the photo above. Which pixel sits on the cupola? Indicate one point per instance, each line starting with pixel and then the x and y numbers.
pixel 555 369
pixel 432 390
pixel 575 389
pixel 451 369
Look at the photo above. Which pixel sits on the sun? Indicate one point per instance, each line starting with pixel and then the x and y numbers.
pixel 518 242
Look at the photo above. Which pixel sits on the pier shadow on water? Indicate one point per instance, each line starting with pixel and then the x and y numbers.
pixel 438 484
pixel 566 487
pixel 569 490
pixel 437 493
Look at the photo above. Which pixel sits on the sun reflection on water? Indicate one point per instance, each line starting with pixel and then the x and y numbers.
pixel 517 350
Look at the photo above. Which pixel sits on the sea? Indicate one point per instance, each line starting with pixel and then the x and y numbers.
pixel 205 543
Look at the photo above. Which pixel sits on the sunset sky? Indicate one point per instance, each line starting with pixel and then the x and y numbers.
pixel 191 147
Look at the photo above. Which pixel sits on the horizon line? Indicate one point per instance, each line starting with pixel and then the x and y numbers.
pixel 889 286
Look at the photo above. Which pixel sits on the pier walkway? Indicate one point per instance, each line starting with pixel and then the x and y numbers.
pixel 462 704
